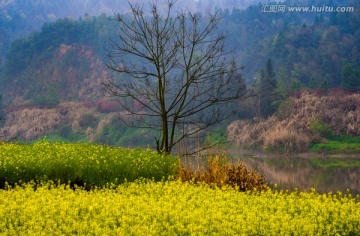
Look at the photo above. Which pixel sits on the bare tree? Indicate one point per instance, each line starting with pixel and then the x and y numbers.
pixel 172 72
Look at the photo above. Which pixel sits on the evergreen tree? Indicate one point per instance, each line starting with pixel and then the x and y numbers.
pixel 350 78
pixel 282 90
pixel 324 87
pixel 312 83
pixel 267 89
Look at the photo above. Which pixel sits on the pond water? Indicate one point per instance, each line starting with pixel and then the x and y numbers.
pixel 324 173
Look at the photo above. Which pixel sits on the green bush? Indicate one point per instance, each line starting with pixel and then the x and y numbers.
pixel 49 98
pixel 118 134
pixel 88 120
pixel 321 128
pixel 217 137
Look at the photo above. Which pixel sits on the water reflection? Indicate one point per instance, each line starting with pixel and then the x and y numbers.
pixel 325 174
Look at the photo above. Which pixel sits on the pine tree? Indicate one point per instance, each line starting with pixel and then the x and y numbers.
pixel 267 88
pixel 350 78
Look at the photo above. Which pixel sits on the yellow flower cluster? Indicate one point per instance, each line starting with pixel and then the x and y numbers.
pixel 92 164
pixel 174 208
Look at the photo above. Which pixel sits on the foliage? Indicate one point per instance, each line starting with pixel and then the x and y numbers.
pixel 284 110
pixel 65 134
pixel 267 90
pixel 218 137
pixel 88 120
pixel 105 106
pixel 321 128
pixel 118 134
pixel 350 78
pixel 81 163
pixel 220 172
pixel 46 99
pixel 347 139
pixel 174 208
pixel 337 143
pixel 336 147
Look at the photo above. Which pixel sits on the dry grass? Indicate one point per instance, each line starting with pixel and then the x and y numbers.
pixel 341 112
pixel 286 140
pixel 217 170
pixel 32 123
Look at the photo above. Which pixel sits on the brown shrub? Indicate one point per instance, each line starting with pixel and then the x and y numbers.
pixel 219 171
pixel 249 134
pixel 33 123
pixel 287 140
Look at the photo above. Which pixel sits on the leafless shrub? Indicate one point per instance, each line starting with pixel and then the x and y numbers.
pixel 287 140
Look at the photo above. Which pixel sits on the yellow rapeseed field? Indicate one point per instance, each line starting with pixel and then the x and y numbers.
pixel 48 202
pixel 174 208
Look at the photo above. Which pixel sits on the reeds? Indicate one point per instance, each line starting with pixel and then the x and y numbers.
pixel 285 140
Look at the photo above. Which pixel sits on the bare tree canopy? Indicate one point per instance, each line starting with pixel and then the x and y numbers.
pixel 175 68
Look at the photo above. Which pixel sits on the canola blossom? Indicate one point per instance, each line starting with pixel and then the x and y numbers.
pixel 174 208
pixel 116 206
pixel 96 165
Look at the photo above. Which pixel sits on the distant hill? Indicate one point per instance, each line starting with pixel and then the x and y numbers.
pixel 20 17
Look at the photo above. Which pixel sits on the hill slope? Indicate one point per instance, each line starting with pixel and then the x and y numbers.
pixel 310 118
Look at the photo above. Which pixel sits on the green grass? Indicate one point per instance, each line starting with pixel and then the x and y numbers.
pixel 346 139
pixel 336 147
pixel 81 163
pixel 339 144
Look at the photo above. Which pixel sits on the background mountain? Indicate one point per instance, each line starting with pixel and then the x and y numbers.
pixel 64 60
pixel 20 17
